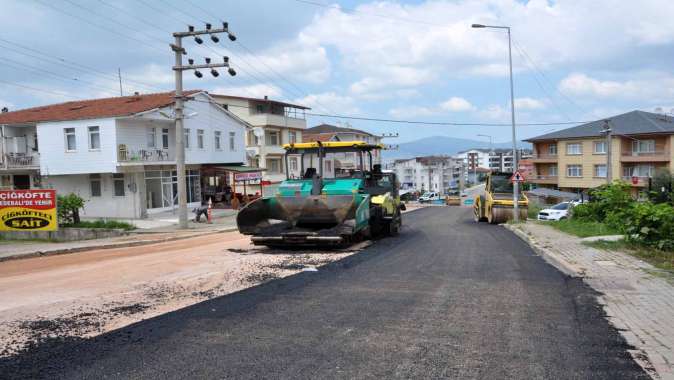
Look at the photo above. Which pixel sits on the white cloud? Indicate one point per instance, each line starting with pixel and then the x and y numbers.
pixel 329 102
pixel 495 112
pixel 253 91
pixel 453 104
pixel 456 104
pixel 528 104
pixel 649 86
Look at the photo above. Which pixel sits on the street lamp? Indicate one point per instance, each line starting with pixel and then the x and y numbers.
pixel 491 142
pixel 516 187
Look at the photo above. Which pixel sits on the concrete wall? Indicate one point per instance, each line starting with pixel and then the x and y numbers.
pixel 55 160
pixel 107 205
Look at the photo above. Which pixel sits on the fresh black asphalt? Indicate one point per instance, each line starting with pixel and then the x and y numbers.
pixel 448 298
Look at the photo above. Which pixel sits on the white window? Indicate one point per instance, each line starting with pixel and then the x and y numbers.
pixel 272 138
pixel 232 141
pixel 95 182
pixel 151 137
pixel 274 165
pixel 71 140
pixel 118 184
pixel 293 163
pixel 552 149
pixel 216 138
pixel 600 147
pixel 186 139
pixel 574 170
pixel 328 166
pixel 200 138
pixel 94 138
pixel 292 137
pixel 600 171
pixel 638 171
pixel 552 170
pixel 574 148
pixel 643 146
pixel 165 138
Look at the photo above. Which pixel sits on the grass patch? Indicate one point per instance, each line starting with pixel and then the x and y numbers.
pixel 660 259
pixel 582 228
pixel 533 210
pixel 106 224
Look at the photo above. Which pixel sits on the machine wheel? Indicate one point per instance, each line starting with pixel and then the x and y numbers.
pixel 393 227
pixel 499 215
pixel 479 210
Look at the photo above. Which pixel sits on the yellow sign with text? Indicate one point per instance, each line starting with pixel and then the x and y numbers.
pixel 28 210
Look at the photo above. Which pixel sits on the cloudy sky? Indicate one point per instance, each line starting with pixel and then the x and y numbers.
pixel 409 60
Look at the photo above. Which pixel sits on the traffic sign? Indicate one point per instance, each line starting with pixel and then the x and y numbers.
pixel 517 177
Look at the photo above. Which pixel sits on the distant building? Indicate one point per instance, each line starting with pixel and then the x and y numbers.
pixel 274 123
pixel 429 173
pixel 491 159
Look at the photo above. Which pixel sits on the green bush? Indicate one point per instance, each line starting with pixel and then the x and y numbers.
pixel 100 223
pixel 68 208
pixel 650 224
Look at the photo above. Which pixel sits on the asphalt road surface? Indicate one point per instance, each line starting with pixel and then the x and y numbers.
pixel 446 299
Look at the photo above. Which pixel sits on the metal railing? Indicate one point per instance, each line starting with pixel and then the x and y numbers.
pixel 545 177
pixel 655 153
pixel 22 160
pixel 124 154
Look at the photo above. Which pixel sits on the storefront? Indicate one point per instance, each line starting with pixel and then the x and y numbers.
pixel 162 189
pixel 221 182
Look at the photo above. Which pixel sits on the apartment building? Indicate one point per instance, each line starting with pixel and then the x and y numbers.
pixel 274 123
pixel 474 158
pixel 575 159
pixel 429 173
pixel 118 153
pixel 501 160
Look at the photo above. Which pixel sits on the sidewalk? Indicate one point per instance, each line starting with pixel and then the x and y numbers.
pixel 637 301
pixel 162 232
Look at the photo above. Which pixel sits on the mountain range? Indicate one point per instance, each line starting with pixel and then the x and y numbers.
pixel 442 145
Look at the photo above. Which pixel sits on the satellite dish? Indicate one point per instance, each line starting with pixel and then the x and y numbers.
pixel 258 132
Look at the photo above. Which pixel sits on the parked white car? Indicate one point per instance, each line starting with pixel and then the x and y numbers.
pixel 429 196
pixel 557 212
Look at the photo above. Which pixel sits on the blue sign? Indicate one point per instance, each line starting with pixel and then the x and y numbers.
pixel 468 202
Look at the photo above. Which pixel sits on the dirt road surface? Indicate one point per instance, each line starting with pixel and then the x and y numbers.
pixel 89 293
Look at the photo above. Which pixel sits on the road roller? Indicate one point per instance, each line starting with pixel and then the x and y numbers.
pixel 496 204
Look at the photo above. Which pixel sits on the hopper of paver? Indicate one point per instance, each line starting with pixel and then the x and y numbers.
pixel 296 217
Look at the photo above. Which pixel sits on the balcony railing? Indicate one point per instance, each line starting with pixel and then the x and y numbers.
pixel 544 178
pixel 547 156
pixel 654 153
pixel 636 180
pixel 22 160
pixel 125 154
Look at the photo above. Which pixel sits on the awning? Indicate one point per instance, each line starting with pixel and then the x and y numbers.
pixel 237 168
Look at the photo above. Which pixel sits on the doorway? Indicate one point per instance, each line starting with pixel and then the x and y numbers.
pixel 21 182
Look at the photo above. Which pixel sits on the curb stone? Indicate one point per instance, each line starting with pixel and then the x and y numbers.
pixel 547 254
pixel 126 244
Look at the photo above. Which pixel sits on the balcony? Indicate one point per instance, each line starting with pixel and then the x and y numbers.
pixel 544 179
pixel 636 181
pixel 265 119
pixel 654 156
pixel 544 157
pixel 130 155
pixel 22 160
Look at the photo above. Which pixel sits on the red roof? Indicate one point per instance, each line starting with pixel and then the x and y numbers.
pixel 91 109
pixel 322 137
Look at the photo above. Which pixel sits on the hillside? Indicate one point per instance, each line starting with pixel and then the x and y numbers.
pixel 441 145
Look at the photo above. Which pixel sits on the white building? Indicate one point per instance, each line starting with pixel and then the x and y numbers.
pixel 349 160
pixel 430 173
pixel 118 153
pixel 277 123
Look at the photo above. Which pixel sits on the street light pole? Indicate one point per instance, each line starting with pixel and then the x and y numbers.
pixel 516 187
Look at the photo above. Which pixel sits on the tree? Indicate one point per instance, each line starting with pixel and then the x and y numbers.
pixel 661 187
pixel 68 208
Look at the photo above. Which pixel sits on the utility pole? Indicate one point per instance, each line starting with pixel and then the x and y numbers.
pixel 609 171
pixel 119 75
pixel 178 69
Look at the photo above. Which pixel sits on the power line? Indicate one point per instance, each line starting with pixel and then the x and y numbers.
pixel 66 63
pixel 99 26
pixel 62 94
